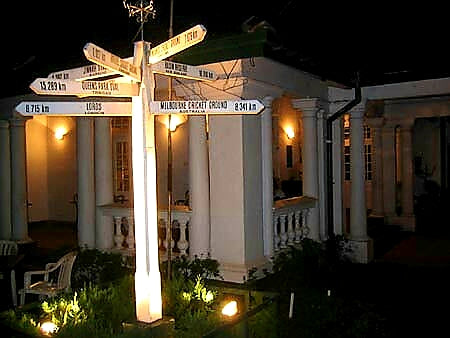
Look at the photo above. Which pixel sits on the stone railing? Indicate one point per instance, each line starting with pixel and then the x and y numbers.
pixel 123 220
pixel 290 221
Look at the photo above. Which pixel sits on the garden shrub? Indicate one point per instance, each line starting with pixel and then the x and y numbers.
pixel 97 267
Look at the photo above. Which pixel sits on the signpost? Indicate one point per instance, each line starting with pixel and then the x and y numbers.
pixel 143 109
pixel 181 70
pixel 178 43
pixel 84 73
pixel 112 88
pixel 110 61
pixel 216 107
pixel 85 108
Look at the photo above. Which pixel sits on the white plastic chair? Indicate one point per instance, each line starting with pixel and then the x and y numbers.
pixel 47 287
pixel 10 248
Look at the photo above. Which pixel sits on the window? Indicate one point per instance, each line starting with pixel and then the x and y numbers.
pixel 368 153
pixel 368 149
pixel 289 161
pixel 122 177
pixel 347 160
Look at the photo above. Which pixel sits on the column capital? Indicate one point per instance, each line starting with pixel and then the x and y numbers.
pixel 406 124
pixel 267 101
pixel 4 124
pixel 17 122
pixel 375 122
pixel 358 111
pixel 308 106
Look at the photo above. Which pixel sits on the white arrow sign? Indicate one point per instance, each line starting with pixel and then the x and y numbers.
pixel 181 70
pixel 178 43
pixel 84 88
pixel 206 107
pixel 110 61
pixel 98 108
pixel 87 72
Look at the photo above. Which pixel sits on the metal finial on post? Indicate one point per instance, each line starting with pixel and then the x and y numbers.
pixel 141 10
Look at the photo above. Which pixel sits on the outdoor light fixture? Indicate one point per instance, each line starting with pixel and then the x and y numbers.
pixel 48 328
pixel 175 121
pixel 230 309
pixel 60 132
pixel 290 132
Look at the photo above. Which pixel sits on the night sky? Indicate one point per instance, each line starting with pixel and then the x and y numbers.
pixel 384 44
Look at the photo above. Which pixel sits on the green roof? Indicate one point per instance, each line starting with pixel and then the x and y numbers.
pixel 217 49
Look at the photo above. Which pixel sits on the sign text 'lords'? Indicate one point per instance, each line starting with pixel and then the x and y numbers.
pixel 101 108
pixel 206 107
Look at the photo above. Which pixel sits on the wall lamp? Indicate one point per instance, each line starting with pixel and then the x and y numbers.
pixel 60 132
pixel 290 132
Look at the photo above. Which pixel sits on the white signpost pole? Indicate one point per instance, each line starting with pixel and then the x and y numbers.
pixel 147 277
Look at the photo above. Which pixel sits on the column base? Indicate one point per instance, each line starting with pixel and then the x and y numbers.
pixel 241 273
pixel 360 250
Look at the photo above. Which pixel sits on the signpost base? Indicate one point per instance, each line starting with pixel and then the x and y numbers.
pixel 164 327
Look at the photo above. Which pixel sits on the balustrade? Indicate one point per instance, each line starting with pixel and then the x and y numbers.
pixel 124 229
pixel 290 221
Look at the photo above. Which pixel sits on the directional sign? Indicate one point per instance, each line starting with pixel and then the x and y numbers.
pixel 84 88
pixel 87 72
pixel 178 43
pixel 206 107
pixel 98 108
pixel 181 70
pixel 113 62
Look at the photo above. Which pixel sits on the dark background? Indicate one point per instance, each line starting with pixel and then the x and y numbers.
pixel 384 43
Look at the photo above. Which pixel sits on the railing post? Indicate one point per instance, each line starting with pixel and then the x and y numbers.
pixel 276 237
pixel 183 243
pixel 283 233
pixel 291 233
pixel 298 229
pixel 130 237
pixel 118 237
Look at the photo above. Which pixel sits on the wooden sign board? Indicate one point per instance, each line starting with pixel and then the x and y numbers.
pixel 112 62
pixel 181 70
pixel 65 108
pixel 111 88
pixel 213 107
pixel 84 73
pixel 176 44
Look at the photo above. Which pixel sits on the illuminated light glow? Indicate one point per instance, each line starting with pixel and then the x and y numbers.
pixel 290 132
pixel 48 328
pixel 175 121
pixel 230 309
pixel 60 132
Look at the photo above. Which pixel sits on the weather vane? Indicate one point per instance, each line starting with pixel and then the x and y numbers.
pixel 141 9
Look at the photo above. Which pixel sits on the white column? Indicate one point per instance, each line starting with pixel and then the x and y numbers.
pixel 267 176
pixel 338 222
pixel 18 181
pixel 388 170
pixel 86 190
pixel 361 244
pixel 377 167
pixel 407 180
pixel 104 235
pixel 5 182
pixel 199 226
pixel 358 221
pixel 309 109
